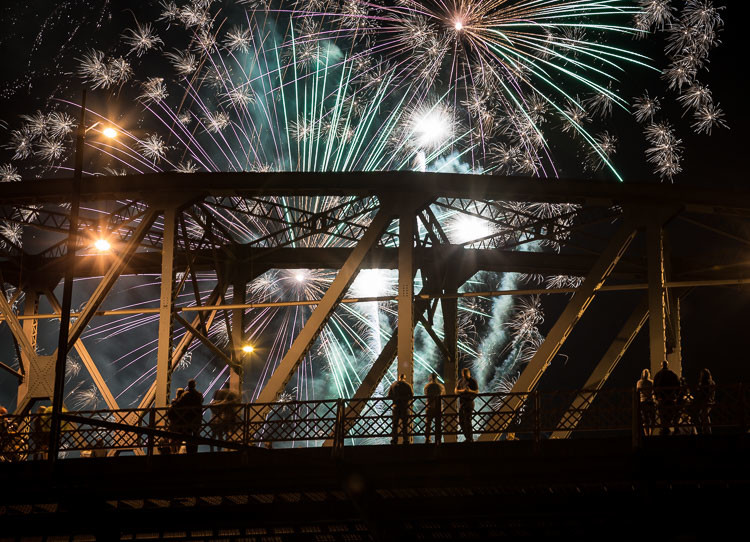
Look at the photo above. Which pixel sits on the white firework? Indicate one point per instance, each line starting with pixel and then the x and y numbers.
pixel 645 107
pixel 600 104
pixel 169 11
pixel 184 62
pixel 185 361
pixel 12 232
pixel 187 167
pixel 87 399
pixel 59 124
pixel 239 96
pixel 215 122
pixel 574 117
pixel 597 155
pixel 238 38
pixel 119 70
pixel 153 90
pixel 505 157
pixel 94 70
pixel 21 143
pixel 72 368
pixel 707 117
pixel 654 14
pixel 153 147
pixel 193 15
pixel 204 41
pixel 50 149
pixel 141 39
pixel 185 118
pixel 8 173
pixel 695 97
pixel 563 281
pixel 36 124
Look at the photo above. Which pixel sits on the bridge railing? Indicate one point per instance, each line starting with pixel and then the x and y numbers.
pixel 345 422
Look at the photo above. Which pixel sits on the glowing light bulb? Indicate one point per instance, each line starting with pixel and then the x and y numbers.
pixel 248 349
pixel 102 245
pixel 109 132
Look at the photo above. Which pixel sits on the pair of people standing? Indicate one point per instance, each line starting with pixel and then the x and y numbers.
pixel 401 393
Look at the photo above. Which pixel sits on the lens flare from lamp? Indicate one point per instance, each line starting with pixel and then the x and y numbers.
pixel 109 132
pixel 102 245
pixel 248 349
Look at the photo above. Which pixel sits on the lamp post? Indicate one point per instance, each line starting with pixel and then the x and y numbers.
pixel 67 296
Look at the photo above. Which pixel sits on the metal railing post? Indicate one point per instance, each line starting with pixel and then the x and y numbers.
pixel 152 426
pixel 636 417
pixel 339 428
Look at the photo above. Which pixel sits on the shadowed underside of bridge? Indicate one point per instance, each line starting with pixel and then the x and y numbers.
pixel 673 488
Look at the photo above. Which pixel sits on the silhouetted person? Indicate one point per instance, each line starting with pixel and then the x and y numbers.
pixel 99 449
pixel 645 387
pixel 467 389
pixel 401 394
pixel 684 423
pixel 434 391
pixel 175 424
pixel 4 433
pixel 666 390
pixel 224 411
pixel 705 396
pixel 190 406
pixel 40 431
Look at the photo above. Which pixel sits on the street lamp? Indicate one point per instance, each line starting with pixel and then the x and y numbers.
pixel 63 338
pixel 102 245
pixel 248 349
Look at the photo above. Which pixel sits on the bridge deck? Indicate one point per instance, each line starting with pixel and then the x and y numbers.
pixel 479 491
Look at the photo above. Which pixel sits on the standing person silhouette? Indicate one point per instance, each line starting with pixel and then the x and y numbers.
pixel 666 390
pixel 434 391
pixel 190 405
pixel 645 387
pixel 401 394
pixel 705 396
pixel 467 389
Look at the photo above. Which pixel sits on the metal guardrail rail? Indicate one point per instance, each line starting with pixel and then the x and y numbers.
pixel 346 422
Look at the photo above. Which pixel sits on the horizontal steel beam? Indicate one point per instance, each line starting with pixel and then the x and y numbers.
pixel 494 187
pixel 490 293
pixel 251 259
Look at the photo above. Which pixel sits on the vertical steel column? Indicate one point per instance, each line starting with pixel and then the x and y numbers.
pixel 450 334
pixel 166 306
pixel 656 326
pixel 236 373
pixel 29 327
pixel 406 227
pixel 67 295
pixel 675 356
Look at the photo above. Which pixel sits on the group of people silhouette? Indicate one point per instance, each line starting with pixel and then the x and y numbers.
pixel 669 400
pixel 402 393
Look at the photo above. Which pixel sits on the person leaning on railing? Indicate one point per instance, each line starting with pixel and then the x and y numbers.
pixel 467 389
pixel 666 389
pixel 190 406
pixel 434 391
pixel 645 387
pixel 703 402
pixel 401 394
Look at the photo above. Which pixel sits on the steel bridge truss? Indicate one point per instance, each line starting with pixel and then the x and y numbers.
pixel 235 227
